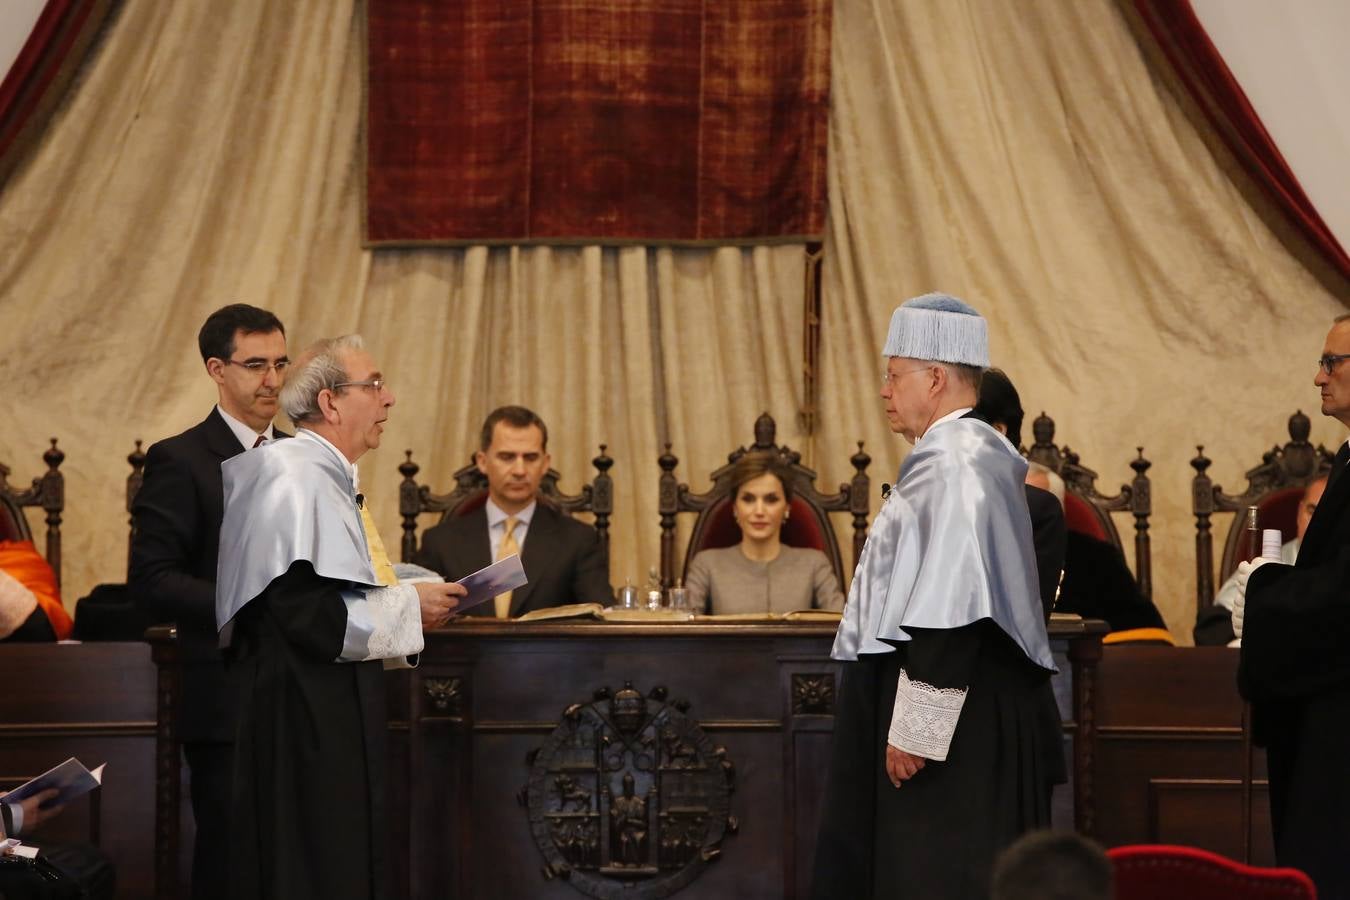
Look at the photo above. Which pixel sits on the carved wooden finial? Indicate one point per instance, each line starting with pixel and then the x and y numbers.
pixel 408 469
pixel 860 459
pixel 603 462
pixel 1201 462
pixel 667 461
pixel 54 456
pixel 765 431
pixel 1043 429
pixel 1300 426
pixel 1140 464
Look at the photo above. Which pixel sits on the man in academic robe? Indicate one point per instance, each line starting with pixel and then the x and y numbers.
pixel 311 613
pixel 1294 622
pixel 562 557
pixel 938 747
pixel 173 556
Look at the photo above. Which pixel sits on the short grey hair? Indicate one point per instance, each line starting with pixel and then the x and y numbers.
pixel 319 368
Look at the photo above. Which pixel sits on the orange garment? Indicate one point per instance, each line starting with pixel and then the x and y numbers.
pixel 21 559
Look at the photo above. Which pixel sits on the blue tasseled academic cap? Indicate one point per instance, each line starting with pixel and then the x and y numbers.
pixel 939 328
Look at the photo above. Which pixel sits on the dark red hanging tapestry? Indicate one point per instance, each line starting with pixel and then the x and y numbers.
pixel 549 121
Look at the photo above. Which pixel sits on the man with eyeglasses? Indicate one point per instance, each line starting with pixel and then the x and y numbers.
pixel 177 516
pixel 1294 622
pixel 311 612
pixel 938 743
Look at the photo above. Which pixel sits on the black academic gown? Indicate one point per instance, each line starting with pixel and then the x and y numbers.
pixel 310 749
pixel 1295 669
pixel 1049 534
pixel 938 834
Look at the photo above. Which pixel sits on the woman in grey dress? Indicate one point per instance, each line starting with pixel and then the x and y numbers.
pixel 761 573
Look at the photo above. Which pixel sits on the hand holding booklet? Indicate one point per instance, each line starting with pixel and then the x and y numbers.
pixel 503 575
pixel 71 778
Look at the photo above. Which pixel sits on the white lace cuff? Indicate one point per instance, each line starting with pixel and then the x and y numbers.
pixel 382 623
pixel 925 718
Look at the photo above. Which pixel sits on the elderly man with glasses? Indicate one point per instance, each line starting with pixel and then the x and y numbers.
pixel 173 555
pixel 938 746
pixel 1294 622
pixel 311 612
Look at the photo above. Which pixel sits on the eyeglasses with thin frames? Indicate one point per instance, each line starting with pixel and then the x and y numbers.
pixel 259 366
pixel 1329 361
pixel 889 379
pixel 376 383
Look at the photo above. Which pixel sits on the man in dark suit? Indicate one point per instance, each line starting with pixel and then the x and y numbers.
pixel 1294 622
pixel 173 556
pixel 563 558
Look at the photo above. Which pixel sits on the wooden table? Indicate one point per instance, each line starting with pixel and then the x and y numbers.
pixel 754 700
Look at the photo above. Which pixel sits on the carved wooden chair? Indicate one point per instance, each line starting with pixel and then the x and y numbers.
pixel 1087 510
pixel 1274 487
pixel 470 492
pixel 808 526
pixel 47 491
pixel 136 459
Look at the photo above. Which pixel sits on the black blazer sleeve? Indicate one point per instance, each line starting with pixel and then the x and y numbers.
pixel 170 529
pixel 590 580
pixel 1050 535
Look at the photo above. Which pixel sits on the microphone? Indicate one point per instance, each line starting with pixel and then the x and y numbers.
pixel 360 501
pixel 885 490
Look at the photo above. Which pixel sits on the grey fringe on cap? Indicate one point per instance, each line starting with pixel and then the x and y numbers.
pixel 938 328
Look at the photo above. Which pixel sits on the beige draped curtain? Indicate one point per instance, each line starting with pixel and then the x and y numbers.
pixel 1022 156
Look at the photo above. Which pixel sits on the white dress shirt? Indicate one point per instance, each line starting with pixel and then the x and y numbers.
pixel 247 436
pixel 496 519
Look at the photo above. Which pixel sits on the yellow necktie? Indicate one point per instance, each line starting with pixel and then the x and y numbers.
pixel 507 548
pixel 379 559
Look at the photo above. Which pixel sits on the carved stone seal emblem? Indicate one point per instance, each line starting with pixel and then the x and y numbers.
pixel 629 797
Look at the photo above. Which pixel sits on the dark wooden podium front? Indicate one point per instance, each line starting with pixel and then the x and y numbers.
pixel 487 696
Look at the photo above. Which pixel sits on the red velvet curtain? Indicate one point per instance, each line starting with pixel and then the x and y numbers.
pixel 607 121
pixel 1201 68
pixel 42 71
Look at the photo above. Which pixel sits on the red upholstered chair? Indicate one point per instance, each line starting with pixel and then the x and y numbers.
pixel 470 493
pixel 1166 872
pixel 48 491
pixel 1273 487
pixel 1087 511
pixel 808 525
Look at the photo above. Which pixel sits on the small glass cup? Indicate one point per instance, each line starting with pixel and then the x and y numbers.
pixel 628 597
pixel 678 597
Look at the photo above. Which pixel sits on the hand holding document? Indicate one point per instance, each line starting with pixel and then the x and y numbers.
pixel 70 779
pixel 503 575
pixel 43 797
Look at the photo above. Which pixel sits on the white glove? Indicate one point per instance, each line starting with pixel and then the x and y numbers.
pixel 1244 571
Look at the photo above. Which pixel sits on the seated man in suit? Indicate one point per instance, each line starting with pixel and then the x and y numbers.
pixel 1097 582
pixel 563 558
pixel 1214 626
